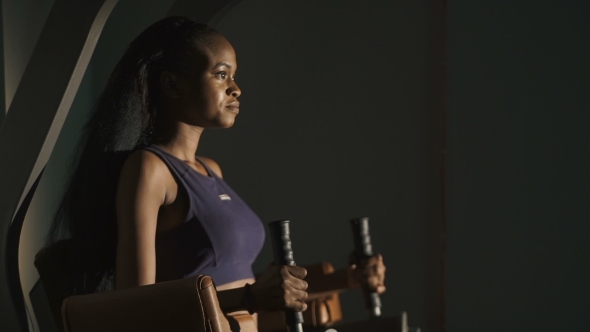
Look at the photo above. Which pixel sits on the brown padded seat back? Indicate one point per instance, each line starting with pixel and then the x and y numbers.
pixel 181 305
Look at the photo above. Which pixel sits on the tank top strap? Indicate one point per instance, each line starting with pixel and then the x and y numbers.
pixel 176 166
pixel 210 172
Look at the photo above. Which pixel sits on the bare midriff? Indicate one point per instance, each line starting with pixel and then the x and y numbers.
pixel 235 284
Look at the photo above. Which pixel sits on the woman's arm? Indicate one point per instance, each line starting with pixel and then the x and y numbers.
pixel 140 193
pixel 145 184
pixel 277 288
pixel 369 272
pixel 231 300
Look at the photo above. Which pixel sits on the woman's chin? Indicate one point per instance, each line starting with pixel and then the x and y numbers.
pixel 222 123
pixel 227 123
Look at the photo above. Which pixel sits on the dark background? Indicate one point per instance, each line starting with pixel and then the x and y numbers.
pixel 467 149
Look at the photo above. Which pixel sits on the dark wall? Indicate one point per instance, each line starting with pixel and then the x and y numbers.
pixel 518 160
pixel 337 121
pixel 2 84
pixel 335 124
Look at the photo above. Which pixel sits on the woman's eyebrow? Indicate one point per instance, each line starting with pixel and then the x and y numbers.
pixel 222 64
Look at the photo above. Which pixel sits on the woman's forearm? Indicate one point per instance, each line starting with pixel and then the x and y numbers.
pixel 232 299
pixel 319 285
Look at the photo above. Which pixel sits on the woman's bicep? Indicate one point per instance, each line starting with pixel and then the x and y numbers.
pixel 140 194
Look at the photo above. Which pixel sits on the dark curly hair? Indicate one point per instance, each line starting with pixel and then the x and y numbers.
pixel 122 121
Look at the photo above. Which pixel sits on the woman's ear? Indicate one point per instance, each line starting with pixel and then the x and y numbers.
pixel 169 84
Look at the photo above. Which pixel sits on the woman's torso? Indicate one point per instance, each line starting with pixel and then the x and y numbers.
pixel 214 232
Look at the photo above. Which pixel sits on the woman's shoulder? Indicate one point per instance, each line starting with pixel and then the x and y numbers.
pixel 144 162
pixel 143 171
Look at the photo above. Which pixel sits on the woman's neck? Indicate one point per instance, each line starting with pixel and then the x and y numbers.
pixel 179 139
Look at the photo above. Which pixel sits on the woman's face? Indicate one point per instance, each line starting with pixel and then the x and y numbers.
pixel 209 94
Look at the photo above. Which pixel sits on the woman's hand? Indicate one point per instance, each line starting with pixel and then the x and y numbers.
pixel 368 273
pixel 279 288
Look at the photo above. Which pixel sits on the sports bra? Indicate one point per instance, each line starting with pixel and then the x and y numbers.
pixel 220 236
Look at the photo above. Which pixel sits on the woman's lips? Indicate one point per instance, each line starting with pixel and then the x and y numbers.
pixel 234 107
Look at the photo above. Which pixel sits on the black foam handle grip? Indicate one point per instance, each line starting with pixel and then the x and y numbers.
pixel 283 255
pixel 363 249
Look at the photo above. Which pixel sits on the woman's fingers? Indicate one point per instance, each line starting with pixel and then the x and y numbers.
pixel 296 271
pixel 294 275
pixel 371 272
pixel 279 304
pixel 298 306
pixel 281 288
pixel 295 288
pixel 296 292
pixel 375 283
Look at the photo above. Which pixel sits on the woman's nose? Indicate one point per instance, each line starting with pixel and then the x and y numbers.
pixel 234 90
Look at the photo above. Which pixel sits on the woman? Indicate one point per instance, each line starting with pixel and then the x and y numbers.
pixel 141 207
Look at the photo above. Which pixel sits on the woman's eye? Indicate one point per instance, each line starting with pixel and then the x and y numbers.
pixel 222 75
pixel 233 78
